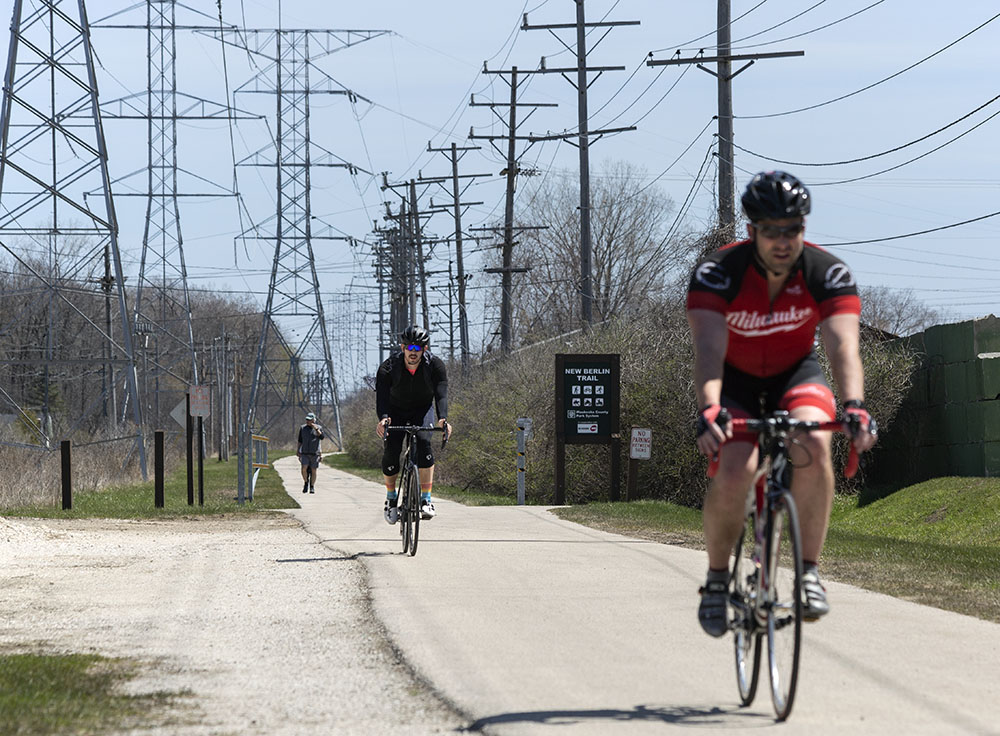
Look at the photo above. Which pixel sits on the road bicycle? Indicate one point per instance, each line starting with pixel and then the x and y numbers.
pixel 408 485
pixel 765 582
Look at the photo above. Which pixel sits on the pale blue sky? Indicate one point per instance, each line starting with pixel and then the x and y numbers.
pixel 420 79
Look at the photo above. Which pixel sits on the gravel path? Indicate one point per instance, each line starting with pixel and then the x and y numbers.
pixel 267 629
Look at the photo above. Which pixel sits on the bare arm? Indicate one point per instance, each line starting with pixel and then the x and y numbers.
pixel 842 339
pixel 710 336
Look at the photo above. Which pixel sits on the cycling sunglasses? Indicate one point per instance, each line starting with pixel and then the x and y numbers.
pixel 777 231
pixel 414 348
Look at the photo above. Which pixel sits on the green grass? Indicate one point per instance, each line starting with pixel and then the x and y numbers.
pixel 342 461
pixel 137 501
pixel 73 694
pixel 936 543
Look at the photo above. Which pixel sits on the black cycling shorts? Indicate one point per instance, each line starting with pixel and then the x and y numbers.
pixel 394 443
pixel 804 384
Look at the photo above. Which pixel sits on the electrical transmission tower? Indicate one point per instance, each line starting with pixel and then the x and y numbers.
pixel 583 132
pixel 286 357
pixel 724 74
pixel 162 302
pixel 65 332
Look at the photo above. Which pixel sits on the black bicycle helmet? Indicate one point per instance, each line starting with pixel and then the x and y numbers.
pixel 774 195
pixel 414 335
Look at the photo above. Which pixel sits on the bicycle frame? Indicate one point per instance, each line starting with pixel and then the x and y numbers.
pixel 408 484
pixel 761 606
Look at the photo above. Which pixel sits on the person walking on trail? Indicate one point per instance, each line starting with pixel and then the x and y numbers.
pixel 754 307
pixel 308 452
pixel 410 385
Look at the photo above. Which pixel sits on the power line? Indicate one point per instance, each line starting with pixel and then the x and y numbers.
pixel 873 84
pixel 874 155
pixel 910 235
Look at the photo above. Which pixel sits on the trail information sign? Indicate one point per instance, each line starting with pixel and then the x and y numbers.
pixel 587 410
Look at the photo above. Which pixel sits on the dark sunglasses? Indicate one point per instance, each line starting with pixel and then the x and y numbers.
pixel 414 348
pixel 777 231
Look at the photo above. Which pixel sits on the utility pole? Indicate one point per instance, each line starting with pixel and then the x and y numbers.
pixel 457 207
pixel 507 269
pixel 583 134
pixel 724 76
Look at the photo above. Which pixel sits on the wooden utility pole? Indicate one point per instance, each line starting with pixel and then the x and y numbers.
pixel 457 206
pixel 724 75
pixel 507 269
pixel 583 135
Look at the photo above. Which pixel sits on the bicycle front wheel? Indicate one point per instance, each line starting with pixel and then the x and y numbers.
pixel 405 520
pixel 414 510
pixel 742 596
pixel 783 590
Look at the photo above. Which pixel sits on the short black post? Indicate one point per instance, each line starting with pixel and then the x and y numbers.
pixel 201 462
pixel 67 474
pixel 190 456
pixel 616 465
pixel 158 468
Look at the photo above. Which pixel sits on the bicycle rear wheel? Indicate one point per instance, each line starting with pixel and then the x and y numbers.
pixel 414 510
pixel 742 594
pixel 784 603
pixel 405 520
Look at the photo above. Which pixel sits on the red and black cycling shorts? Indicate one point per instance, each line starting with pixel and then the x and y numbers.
pixel 804 384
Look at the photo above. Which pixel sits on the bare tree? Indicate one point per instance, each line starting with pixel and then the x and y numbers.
pixel 631 257
pixel 897 311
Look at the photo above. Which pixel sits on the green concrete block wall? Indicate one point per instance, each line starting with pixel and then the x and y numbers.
pixel 954 383
pixel 991 421
pixel 933 462
pixel 956 424
pixel 958 342
pixel 988 378
pixel 991 459
pixel 935 385
pixel 966 460
pixel 987 335
pixel 934 427
pixel 934 344
pixel 975 411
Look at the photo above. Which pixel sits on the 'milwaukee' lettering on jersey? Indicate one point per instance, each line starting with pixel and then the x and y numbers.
pixel 755 324
pixel 769 336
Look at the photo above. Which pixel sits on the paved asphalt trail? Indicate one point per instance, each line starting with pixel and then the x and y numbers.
pixel 531 625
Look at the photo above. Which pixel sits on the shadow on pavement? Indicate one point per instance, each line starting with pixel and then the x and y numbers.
pixel 679 715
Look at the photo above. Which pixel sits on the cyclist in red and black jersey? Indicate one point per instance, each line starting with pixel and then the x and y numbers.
pixel 754 307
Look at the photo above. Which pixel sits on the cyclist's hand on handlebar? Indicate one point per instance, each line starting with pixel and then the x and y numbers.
pixel 381 426
pixel 714 427
pixel 443 424
pixel 859 425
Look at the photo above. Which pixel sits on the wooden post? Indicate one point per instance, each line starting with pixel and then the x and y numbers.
pixel 190 456
pixel 66 446
pixel 201 462
pixel 632 485
pixel 158 469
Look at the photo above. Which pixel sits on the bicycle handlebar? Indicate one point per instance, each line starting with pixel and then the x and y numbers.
pixel 772 426
pixel 413 429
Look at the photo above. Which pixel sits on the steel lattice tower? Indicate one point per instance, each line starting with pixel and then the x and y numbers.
pixel 64 252
pixel 289 356
pixel 162 304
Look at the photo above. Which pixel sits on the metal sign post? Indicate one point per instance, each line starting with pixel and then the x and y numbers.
pixel 640 448
pixel 523 435
pixel 587 411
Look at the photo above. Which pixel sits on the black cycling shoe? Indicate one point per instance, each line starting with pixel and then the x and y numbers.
pixel 712 611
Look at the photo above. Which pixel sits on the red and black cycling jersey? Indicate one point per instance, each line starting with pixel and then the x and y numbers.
pixel 766 338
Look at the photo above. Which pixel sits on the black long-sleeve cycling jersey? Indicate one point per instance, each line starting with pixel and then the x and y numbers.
pixel 397 388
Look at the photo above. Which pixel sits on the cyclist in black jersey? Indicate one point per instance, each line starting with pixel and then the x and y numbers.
pixel 409 387
pixel 754 308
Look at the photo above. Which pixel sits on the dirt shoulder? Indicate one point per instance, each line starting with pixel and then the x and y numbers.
pixel 260 627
